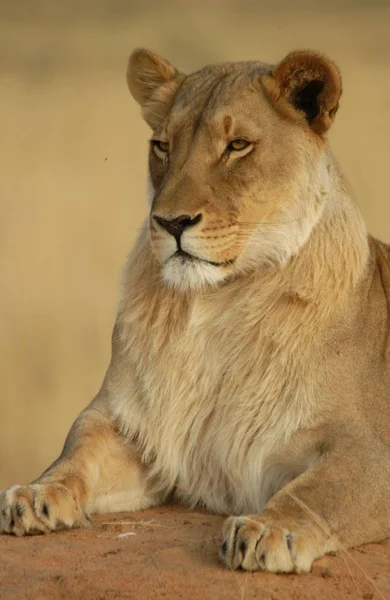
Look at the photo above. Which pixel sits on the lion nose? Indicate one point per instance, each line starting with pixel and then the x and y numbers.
pixel 177 225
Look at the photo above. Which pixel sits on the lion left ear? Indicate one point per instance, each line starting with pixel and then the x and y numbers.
pixel 153 83
pixel 310 84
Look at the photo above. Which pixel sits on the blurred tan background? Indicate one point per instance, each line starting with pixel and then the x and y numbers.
pixel 73 164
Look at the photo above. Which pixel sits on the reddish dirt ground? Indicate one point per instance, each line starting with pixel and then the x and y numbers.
pixel 171 553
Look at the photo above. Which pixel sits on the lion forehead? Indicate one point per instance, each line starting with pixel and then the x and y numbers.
pixel 214 86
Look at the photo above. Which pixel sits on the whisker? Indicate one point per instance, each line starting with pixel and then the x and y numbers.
pixel 342 549
pixel 162 119
pixel 278 222
pixel 245 224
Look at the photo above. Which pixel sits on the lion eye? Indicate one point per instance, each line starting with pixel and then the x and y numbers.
pixel 238 145
pixel 160 148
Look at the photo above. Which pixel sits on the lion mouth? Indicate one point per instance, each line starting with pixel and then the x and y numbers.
pixel 185 257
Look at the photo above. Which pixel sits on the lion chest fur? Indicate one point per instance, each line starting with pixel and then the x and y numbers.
pixel 214 395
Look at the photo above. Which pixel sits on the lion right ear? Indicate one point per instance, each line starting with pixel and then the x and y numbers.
pixel 153 83
pixel 306 86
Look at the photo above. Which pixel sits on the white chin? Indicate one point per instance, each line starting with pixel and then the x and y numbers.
pixel 192 275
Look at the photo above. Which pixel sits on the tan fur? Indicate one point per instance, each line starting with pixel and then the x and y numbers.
pixel 254 377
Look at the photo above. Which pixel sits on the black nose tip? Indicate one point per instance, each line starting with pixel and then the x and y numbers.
pixel 177 225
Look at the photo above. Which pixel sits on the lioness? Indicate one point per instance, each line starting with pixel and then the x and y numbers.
pixel 250 368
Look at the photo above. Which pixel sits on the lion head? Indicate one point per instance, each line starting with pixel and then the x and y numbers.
pixel 238 161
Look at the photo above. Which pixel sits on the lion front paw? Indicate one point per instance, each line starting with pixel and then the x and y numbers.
pixel 39 508
pixel 260 545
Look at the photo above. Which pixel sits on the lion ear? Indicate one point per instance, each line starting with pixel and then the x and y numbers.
pixel 310 84
pixel 153 83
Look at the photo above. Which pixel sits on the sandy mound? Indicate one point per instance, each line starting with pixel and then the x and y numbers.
pixel 171 553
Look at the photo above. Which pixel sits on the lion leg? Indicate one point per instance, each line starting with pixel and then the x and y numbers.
pixel 98 471
pixel 343 501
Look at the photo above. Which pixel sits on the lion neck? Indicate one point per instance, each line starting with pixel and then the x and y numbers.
pixel 334 259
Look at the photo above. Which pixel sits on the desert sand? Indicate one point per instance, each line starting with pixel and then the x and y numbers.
pixel 171 554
